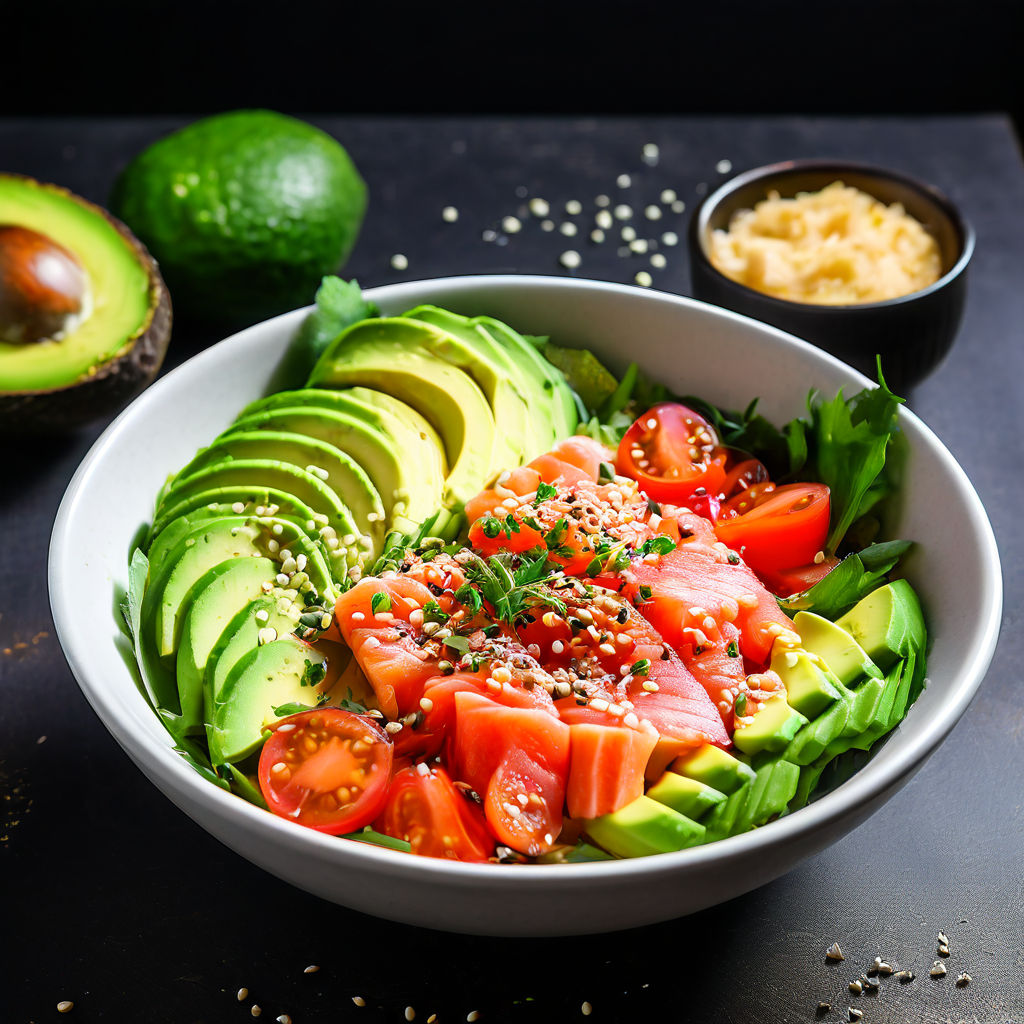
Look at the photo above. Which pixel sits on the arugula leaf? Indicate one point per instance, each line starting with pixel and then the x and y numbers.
pixel 292 708
pixel 584 372
pixel 847 442
pixel 348 704
pixel 244 787
pixel 339 304
pixel 195 756
pixel 619 398
pixel 853 578
pixel 511 592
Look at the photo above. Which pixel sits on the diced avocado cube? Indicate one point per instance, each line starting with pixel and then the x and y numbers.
pixel 715 768
pixel 772 728
pixel 846 659
pixel 687 796
pixel 888 623
pixel 808 688
pixel 643 828
pixel 810 742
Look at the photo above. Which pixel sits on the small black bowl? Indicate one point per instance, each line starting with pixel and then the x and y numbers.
pixel 911 333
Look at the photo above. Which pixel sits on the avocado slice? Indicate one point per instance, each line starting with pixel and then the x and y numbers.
pixel 396 356
pixel 279 610
pixel 550 379
pixel 687 796
pixel 888 623
pixel 112 344
pixel 284 476
pixel 809 689
pixel 810 742
pixel 217 541
pixel 226 501
pixel 846 659
pixel 767 796
pixel 338 472
pixel 213 602
pixel 643 828
pixel 277 673
pixel 519 396
pixel 772 727
pixel 715 768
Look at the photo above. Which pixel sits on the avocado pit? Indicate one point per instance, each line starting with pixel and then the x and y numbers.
pixel 43 287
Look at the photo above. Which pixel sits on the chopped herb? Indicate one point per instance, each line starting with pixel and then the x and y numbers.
pixel 544 492
pixel 348 704
pixel 733 558
pixel 732 649
pixel 380 602
pixel 660 545
pixel 492 631
pixel 556 535
pixel 640 668
pixel 468 597
pixel 605 473
pixel 645 592
pixel 533 523
pixel 510 593
pixel 446 668
pixel 457 643
pixel 313 675
pixel 433 612
pixel 653 507
pixel 511 525
pixel 741 704
pixel 491 527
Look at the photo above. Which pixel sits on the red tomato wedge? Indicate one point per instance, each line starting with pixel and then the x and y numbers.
pixel 671 451
pixel 327 769
pixel 517 759
pixel 426 810
pixel 606 768
pixel 796 581
pixel 785 528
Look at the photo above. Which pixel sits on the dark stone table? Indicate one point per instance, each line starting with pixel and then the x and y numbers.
pixel 113 899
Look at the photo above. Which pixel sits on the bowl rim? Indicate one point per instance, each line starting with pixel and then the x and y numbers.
pixel 245 818
pixel 698 231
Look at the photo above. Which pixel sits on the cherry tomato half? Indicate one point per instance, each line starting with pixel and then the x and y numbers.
pixel 671 451
pixel 786 528
pixel 742 475
pixel 428 811
pixel 327 769
pixel 803 577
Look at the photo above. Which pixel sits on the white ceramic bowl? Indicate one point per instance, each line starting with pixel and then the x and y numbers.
pixel 695 349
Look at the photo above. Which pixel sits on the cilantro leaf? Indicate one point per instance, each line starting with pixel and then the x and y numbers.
pixel 544 492
pixel 380 602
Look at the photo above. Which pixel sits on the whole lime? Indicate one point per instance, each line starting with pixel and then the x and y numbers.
pixel 244 211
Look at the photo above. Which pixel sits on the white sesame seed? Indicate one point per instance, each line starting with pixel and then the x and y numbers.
pixel 393 727
pixel 489 234
pixel 650 686
pixel 311 969
pixel 669 238
pixel 510 225
pixel 359 1000
pixel 586 1009
pixel 623 181
pixel 658 261
pixel 547 225
pixel 426 704
pixel 678 206
pixel 539 207
pixel 238 508
pixel 449 215
pixel 650 153
pixel 628 233
pixel 568 228
pixel 557 647
pixel 473 1015
pixel 284 1019
pixel 399 261
pixel 597 236
pixel 573 207
pixel 410 1013
pixel 668 195
pixel 623 211
pixel 643 279
pixel 652 212
pixel 65 1006
pixel 638 245
pixel 723 166
pixel 602 200
pixel 256 1010
pixel 570 259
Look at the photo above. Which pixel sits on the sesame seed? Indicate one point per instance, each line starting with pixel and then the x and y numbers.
pixel 586 1009
pixel 557 647
pixel 650 153
pixel 399 261
pixel 723 166
pixel 628 233
pixel 539 207
pixel 834 952
pixel 65 1006
pixel 510 225
pixel 359 1000
pixel 426 704
pixel 472 1016
pixel 678 206
pixel 819 558
pixel 962 980
pixel 623 211
pixel 256 1010
pixel 668 195
pixel 568 228
pixel 547 225
pixel 410 1013
pixel 623 181
pixel 638 245
pixel 643 279
pixel 603 219
pixel 602 200
pixel 393 727
pixel 658 261
pixel 489 234
pixel 650 686
pixel 449 215
pixel 855 1014
pixel 597 236
pixel 938 969
pixel 238 508
pixel 652 212
pixel 311 969
pixel 573 207
pixel 284 1019
pixel 570 259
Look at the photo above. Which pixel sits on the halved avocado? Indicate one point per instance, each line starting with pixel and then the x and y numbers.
pixel 114 339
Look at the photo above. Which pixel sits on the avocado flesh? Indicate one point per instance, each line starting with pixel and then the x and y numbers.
pixel 232 537
pixel 526 402
pixel 336 470
pixel 119 287
pixel 772 727
pixel 387 356
pixel 284 476
pixel 278 610
pixel 643 828
pixel 550 379
pixel 846 659
pixel 215 599
pixel 265 678
pixel 225 500
pixel 809 689
pixel 687 796
pixel 715 768
pixel 887 623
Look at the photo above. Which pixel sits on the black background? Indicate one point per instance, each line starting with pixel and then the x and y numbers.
pixel 340 56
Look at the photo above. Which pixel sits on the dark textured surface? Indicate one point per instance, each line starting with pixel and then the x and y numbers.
pixel 112 898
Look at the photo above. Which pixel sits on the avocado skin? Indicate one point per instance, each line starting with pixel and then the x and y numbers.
pixel 111 384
